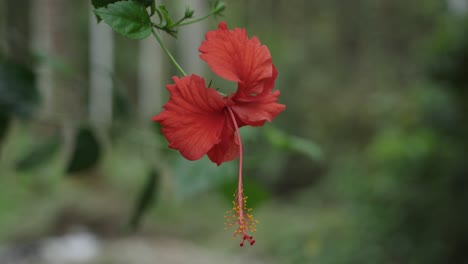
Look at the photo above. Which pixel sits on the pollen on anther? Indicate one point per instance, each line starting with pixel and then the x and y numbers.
pixel 241 216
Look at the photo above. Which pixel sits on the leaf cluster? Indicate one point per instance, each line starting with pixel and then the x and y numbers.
pixel 133 18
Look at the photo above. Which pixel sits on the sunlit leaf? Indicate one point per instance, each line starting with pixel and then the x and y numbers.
pixel 287 142
pixel 398 147
pixel 128 18
pixel 39 154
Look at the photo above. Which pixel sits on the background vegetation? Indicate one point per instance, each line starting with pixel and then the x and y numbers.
pixel 366 165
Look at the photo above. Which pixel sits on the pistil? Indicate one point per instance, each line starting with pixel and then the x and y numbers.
pixel 240 214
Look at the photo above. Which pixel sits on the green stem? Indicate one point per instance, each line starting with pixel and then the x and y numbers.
pixel 168 53
pixel 196 20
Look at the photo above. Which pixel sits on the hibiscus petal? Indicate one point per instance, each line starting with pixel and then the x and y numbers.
pixel 255 93
pixel 228 148
pixel 235 57
pixel 255 113
pixel 193 118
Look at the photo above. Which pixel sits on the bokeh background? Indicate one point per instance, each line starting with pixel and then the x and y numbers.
pixel 367 164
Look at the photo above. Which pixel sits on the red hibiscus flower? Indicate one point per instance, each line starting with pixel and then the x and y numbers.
pixel 198 120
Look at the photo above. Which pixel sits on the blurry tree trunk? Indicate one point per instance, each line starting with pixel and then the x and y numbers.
pixel 41 44
pixel 17 30
pixel 3 27
pixel 458 7
pixel 100 72
pixel 62 82
pixel 153 70
pixel 68 94
pixel 150 79
pixel 126 64
pixel 349 29
pixel 190 38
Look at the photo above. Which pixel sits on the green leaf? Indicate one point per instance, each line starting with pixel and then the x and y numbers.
pixel 145 3
pixel 197 177
pixel 287 142
pixel 101 3
pixel 218 7
pixel 86 153
pixel 188 12
pixel 153 8
pixel 39 154
pixel 166 20
pixel 145 199
pixel 18 92
pixel 166 24
pixel 4 125
pixel 128 18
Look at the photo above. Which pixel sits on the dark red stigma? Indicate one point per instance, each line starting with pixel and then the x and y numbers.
pixel 248 238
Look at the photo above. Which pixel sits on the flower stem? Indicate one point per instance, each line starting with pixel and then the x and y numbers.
pixel 195 20
pixel 168 53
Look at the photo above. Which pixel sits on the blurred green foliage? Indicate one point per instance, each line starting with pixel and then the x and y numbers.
pixel 86 152
pixel 18 92
pixel 366 165
pixel 39 155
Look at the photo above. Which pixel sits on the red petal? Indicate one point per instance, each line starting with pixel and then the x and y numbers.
pixel 235 57
pixel 257 92
pixel 193 118
pixel 228 148
pixel 254 109
pixel 255 113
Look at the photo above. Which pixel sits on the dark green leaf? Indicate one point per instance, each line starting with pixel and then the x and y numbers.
pixel 39 154
pixel 18 92
pixel 145 3
pixel 4 124
pixel 145 199
pixel 101 3
pixel 153 8
pixel 86 153
pixel 188 13
pixel 127 18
